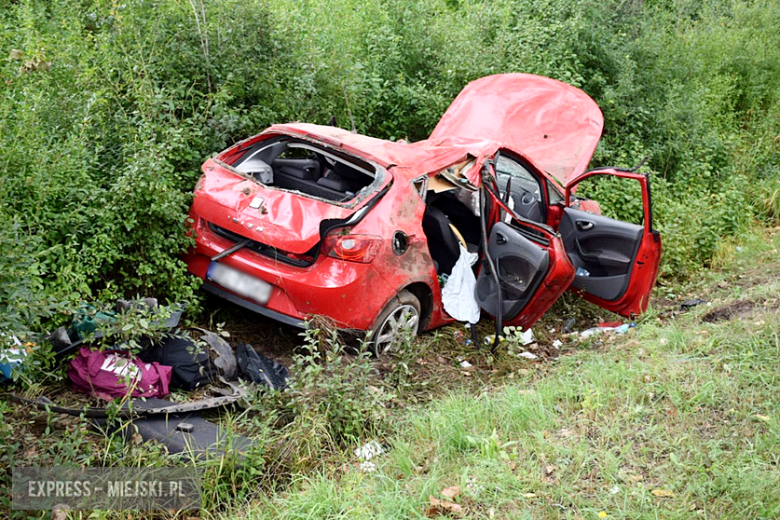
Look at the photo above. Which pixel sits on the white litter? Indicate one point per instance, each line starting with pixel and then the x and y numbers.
pixel 527 337
pixel 591 332
pixel 557 343
pixel 528 355
pixel 465 364
pixel 369 450
pixel 458 294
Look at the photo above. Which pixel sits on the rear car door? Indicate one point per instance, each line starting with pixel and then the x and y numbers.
pixel 528 257
pixel 616 262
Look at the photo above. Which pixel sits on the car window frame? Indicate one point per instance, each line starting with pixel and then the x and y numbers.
pixel 525 165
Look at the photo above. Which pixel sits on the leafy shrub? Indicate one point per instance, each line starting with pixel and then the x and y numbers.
pixel 328 382
pixel 108 108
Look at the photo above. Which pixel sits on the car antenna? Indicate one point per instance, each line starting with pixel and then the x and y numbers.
pixel 641 163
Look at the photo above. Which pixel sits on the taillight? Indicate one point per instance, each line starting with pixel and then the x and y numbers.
pixel 353 248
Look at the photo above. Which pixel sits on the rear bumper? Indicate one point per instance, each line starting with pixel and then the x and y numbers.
pixel 264 311
pixel 350 294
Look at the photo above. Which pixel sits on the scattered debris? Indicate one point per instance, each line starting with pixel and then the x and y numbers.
pixel 186 433
pixel 258 369
pixel 684 306
pixel 621 329
pixel 11 358
pixel 662 493
pixel 568 325
pixel 557 343
pixel 225 359
pixel 465 364
pixel 610 324
pixel 528 355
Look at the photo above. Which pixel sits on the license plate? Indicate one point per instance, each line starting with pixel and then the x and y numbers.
pixel 238 282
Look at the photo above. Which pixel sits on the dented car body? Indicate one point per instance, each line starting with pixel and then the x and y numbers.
pixel 305 220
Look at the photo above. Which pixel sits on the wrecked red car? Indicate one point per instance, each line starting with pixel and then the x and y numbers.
pixel 305 220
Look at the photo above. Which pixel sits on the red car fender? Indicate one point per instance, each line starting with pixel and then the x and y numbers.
pixel 412 267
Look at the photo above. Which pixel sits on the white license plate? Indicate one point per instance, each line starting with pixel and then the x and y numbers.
pixel 238 282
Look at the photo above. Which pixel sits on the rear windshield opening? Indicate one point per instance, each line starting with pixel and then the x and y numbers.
pixel 300 166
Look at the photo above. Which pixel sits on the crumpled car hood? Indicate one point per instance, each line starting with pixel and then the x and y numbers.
pixel 553 124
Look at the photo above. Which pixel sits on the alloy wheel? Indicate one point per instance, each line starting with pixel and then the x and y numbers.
pixel 403 321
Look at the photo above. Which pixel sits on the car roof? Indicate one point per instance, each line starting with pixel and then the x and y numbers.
pixel 552 125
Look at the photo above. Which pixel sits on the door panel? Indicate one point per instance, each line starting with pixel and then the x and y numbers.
pixel 616 262
pixel 529 257
pixel 521 265
pixel 601 250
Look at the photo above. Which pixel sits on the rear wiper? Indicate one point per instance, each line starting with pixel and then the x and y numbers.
pixel 232 249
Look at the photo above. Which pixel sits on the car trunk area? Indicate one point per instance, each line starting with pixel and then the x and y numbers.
pixel 297 165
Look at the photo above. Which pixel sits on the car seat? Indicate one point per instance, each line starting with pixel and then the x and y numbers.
pixel 442 242
pixel 343 178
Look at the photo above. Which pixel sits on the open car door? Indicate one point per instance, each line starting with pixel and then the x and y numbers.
pixel 527 257
pixel 616 262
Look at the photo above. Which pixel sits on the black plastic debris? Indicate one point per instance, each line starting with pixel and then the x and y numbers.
pixel 186 433
pixel 259 369
pixel 568 326
pixel 684 306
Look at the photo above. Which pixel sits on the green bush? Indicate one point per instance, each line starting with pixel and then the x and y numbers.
pixel 108 109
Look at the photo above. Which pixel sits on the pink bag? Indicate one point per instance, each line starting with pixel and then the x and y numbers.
pixel 114 374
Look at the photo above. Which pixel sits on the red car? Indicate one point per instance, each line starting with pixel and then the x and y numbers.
pixel 305 220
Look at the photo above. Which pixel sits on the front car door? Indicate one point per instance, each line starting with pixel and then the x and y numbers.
pixel 616 262
pixel 528 256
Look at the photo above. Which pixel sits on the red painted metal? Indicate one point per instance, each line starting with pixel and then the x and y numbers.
pixel 552 126
pixel 645 269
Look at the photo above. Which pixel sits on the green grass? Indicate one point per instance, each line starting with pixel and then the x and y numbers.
pixel 679 405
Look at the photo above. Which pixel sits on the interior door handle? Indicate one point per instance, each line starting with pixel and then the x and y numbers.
pixel 584 225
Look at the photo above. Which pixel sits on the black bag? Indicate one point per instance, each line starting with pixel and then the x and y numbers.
pixel 192 367
pixel 259 369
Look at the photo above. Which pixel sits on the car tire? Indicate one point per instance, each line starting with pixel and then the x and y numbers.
pixel 403 312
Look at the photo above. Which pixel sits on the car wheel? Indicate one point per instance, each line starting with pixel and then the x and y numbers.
pixel 401 316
